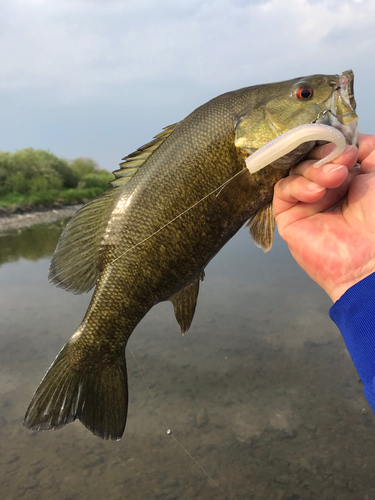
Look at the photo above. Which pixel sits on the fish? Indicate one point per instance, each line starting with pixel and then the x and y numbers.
pixel 173 204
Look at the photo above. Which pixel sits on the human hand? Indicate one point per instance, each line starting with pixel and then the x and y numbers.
pixel 327 216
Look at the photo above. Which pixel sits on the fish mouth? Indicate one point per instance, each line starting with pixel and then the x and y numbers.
pixel 341 108
pixel 346 91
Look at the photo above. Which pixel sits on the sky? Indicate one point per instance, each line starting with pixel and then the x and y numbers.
pixel 99 78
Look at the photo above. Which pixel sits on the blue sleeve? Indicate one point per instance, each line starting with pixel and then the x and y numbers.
pixel 354 314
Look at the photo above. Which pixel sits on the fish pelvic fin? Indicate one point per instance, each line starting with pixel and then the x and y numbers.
pixel 98 398
pixel 262 227
pixel 185 302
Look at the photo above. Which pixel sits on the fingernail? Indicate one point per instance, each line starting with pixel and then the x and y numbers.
pixel 326 149
pixel 314 188
pixel 348 147
pixel 329 168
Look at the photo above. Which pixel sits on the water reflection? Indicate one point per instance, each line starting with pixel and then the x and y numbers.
pixel 261 391
pixel 31 243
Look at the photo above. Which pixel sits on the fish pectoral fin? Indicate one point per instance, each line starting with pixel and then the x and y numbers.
pixel 97 397
pixel 262 227
pixel 185 302
pixel 75 265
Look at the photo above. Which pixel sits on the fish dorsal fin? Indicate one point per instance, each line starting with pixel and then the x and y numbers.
pixel 75 263
pixel 262 227
pixel 134 161
pixel 185 302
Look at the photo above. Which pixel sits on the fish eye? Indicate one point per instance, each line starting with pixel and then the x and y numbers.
pixel 304 93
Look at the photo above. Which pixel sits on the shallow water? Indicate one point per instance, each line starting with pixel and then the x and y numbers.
pixel 261 391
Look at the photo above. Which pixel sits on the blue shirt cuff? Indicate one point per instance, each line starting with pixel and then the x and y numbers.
pixel 354 314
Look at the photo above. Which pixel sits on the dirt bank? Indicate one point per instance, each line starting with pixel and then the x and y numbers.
pixel 17 221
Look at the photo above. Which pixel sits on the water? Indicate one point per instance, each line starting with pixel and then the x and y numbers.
pixel 261 391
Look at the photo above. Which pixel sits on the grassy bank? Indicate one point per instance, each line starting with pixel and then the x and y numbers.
pixel 38 178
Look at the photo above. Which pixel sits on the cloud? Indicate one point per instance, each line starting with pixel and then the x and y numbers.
pixel 101 77
pixel 76 50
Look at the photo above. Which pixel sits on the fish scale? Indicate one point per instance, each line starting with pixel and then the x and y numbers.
pixel 174 203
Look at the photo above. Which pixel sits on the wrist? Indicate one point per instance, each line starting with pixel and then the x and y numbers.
pixel 337 290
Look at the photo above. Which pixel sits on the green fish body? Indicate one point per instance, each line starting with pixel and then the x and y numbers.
pixel 174 203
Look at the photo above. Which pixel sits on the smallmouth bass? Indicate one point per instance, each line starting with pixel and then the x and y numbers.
pixel 174 203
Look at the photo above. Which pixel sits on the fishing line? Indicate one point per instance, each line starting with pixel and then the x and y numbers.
pixel 221 187
pixel 169 431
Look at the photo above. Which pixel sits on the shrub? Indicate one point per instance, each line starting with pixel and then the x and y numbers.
pixel 39 177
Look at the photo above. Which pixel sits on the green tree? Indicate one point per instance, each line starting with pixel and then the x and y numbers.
pixel 40 177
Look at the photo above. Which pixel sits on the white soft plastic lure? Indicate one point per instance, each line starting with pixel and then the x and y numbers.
pixel 290 140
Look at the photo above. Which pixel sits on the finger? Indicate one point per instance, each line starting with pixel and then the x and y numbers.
pixel 294 189
pixel 304 210
pixel 310 184
pixel 368 164
pixel 321 151
pixel 332 174
pixel 366 145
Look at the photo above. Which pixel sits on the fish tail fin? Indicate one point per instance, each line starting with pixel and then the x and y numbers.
pixel 97 397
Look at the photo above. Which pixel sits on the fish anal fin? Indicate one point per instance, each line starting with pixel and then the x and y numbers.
pixel 75 265
pixel 185 302
pixel 98 398
pixel 262 227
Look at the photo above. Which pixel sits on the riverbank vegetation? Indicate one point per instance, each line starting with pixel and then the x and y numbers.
pixel 37 178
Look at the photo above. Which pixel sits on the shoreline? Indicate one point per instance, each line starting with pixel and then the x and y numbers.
pixel 18 221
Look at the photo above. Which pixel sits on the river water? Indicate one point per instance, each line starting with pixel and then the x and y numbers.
pixel 261 392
